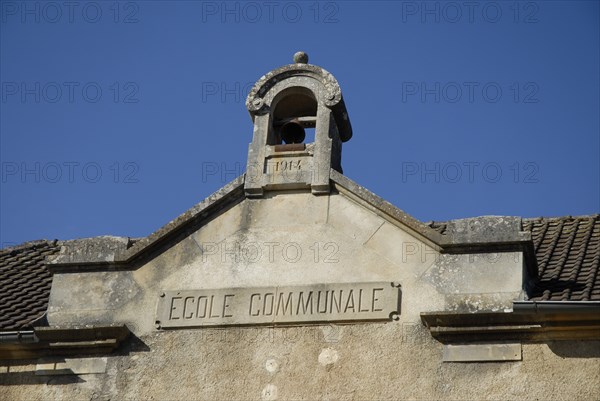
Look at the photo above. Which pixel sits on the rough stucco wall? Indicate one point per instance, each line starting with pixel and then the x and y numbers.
pixel 395 360
pixel 359 362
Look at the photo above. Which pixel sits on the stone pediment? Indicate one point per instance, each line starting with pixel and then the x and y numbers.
pixel 292 234
pixel 284 239
pixel 112 253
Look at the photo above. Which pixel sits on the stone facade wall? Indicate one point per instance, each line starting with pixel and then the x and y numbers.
pixel 390 361
pixel 303 240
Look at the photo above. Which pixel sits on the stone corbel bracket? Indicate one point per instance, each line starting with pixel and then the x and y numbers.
pixel 61 341
pixel 529 322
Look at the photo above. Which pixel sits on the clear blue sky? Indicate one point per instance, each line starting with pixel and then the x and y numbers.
pixel 118 116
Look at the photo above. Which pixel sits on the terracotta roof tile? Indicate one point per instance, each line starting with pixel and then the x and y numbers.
pixel 24 283
pixel 568 254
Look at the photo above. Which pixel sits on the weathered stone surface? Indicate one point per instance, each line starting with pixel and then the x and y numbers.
pixel 70 366
pixel 478 282
pixel 482 352
pixel 486 229
pixel 300 57
pixel 91 250
pixel 357 362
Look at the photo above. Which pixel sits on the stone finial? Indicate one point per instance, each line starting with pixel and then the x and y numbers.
pixel 301 58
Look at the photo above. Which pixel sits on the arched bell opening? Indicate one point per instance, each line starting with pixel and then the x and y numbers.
pixel 293 119
pixel 300 121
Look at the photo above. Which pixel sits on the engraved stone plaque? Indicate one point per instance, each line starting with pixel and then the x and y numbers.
pixel 279 305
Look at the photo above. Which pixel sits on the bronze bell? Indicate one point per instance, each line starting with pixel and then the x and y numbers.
pixel 292 132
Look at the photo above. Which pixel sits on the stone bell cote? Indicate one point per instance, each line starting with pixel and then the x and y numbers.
pixel 283 104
